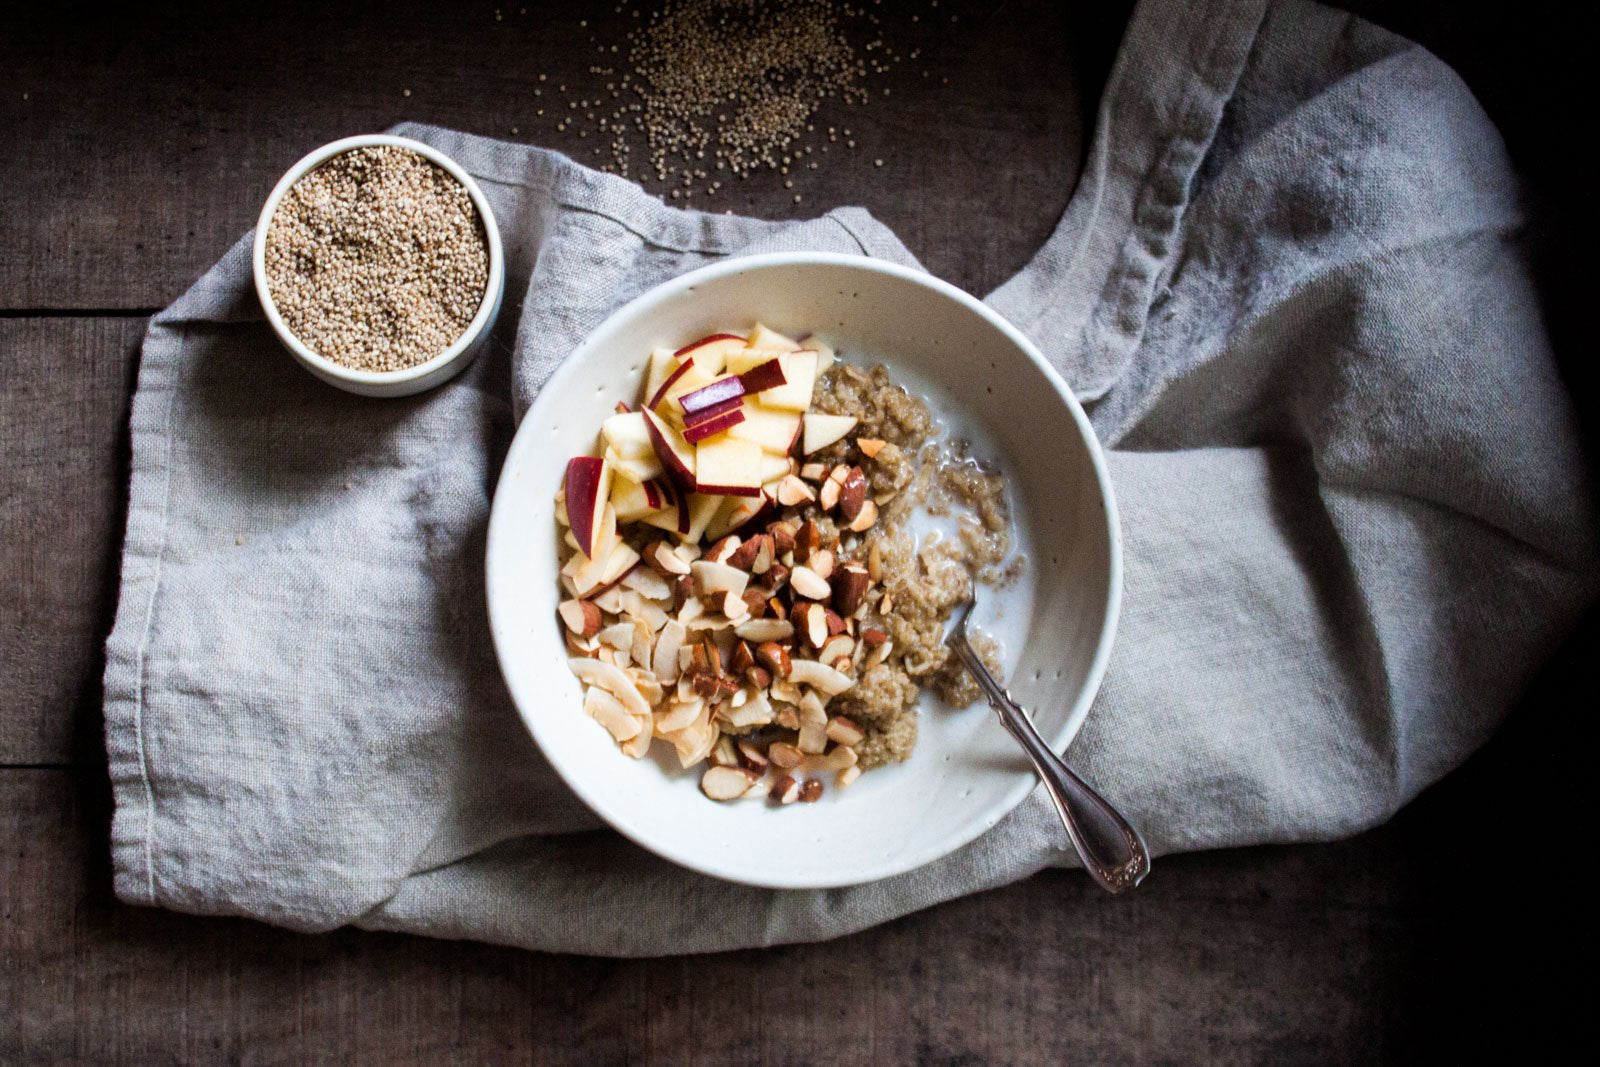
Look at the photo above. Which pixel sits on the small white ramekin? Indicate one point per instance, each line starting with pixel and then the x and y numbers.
pixel 440 368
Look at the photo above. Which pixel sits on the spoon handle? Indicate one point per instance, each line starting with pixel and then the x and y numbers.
pixel 1111 849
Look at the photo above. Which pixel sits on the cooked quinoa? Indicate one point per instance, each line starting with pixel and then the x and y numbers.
pixel 923 582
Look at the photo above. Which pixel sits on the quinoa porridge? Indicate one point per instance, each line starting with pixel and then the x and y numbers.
pixel 760 563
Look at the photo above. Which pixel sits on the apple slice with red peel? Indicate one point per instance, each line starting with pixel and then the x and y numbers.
pixel 720 391
pixel 715 345
pixel 774 431
pixel 728 466
pixel 702 509
pixel 799 375
pixel 660 392
pixel 714 411
pixel 673 517
pixel 635 500
pixel 685 380
pixel 823 430
pixel 699 431
pixel 677 455
pixel 763 376
pixel 765 337
pixel 588 487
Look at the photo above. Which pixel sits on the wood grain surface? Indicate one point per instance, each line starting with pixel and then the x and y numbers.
pixel 138 145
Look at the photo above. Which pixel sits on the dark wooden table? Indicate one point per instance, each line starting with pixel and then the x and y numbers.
pixel 137 146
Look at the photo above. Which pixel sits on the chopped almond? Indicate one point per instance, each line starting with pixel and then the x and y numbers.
pixel 784 755
pixel 870 446
pixel 808 583
pixel 775 658
pixel 782 534
pixel 865 519
pixel 785 790
pixel 850 583
pixel 580 616
pixel 845 730
pixel 727 783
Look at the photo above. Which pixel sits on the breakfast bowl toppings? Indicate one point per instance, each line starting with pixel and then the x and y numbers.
pixel 758 560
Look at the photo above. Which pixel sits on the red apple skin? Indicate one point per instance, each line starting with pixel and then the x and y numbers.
pixel 673 463
pixel 799 436
pixel 714 412
pixel 713 395
pixel 709 427
pixel 680 500
pixel 728 490
pixel 762 376
pixel 661 393
pixel 583 502
pixel 692 345
pixel 652 495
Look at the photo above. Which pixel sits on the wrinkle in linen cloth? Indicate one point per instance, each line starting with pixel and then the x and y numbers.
pixel 1292 291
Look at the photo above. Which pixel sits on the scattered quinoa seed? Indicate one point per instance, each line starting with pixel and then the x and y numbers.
pixel 377 259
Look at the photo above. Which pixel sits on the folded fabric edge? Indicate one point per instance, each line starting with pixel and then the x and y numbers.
pixel 133 818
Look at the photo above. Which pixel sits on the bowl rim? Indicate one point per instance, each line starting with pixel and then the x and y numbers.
pixel 321 364
pixel 1026 781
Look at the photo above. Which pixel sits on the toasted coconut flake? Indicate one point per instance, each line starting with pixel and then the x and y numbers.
pixel 609 712
pixel 664 660
pixel 764 630
pixel 611 678
pixel 821 676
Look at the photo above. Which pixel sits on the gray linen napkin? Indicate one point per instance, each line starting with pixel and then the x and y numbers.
pixel 1290 288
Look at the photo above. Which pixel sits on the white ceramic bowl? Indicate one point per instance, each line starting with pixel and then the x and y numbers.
pixel 440 368
pixel 966 772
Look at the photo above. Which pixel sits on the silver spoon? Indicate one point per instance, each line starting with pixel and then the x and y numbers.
pixel 1111 849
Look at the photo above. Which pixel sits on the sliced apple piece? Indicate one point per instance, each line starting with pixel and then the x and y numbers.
pixel 588 488
pixel 625 434
pixel 729 387
pixel 774 468
pixel 663 361
pixel 765 337
pixel 691 380
pixel 633 500
pixel 702 509
pixel 774 431
pixel 728 466
pixel 676 454
pixel 699 431
pixel 712 349
pixel 713 412
pixel 823 430
pixel 639 468
pixel 799 375
pixel 750 358
pixel 765 375
pixel 825 355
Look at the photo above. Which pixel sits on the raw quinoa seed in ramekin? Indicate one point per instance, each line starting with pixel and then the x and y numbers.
pixel 420 376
